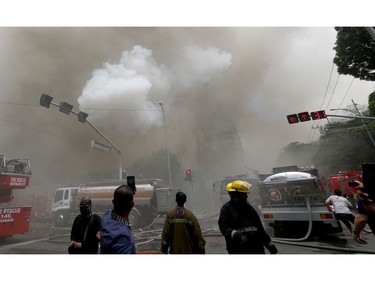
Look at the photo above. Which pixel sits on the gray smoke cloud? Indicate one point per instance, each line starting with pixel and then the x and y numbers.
pixel 226 93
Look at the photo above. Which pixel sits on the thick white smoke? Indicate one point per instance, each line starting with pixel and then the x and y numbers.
pixel 126 94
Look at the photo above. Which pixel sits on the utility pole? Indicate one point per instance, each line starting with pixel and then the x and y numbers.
pixel 366 124
pixel 166 145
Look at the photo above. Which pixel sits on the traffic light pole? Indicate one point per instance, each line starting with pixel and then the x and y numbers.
pixel 96 129
pixel 358 117
pixel 349 116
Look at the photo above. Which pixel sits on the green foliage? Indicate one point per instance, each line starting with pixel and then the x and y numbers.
pixel 340 148
pixel 355 53
pixel 371 104
pixel 343 151
pixel 297 153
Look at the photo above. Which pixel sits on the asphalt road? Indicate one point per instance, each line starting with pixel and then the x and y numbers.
pixel 43 238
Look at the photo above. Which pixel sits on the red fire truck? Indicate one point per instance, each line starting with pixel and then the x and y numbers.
pixel 341 179
pixel 14 174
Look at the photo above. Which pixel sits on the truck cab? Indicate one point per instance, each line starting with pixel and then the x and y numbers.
pixel 63 204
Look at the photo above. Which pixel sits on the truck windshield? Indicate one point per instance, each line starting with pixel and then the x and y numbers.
pixel 58 196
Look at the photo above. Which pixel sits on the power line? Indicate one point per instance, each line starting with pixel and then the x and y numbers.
pixel 329 81
pixel 333 91
pixel 346 93
pixel 85 108
pixel 41 131
pixel 321 106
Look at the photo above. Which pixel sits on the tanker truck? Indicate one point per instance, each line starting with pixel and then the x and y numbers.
pixel 14 174
pixel 293 203
pixel 151 200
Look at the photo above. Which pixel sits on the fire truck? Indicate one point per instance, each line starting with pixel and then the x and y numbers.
pixel 151 200
pixel 293 204
pixel 341 179
pixel 14 174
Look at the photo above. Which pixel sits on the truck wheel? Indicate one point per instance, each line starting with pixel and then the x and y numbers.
pixel 134 219
pixel 60 220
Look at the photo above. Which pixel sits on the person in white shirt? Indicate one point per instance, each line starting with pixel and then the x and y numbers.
pixel 342 208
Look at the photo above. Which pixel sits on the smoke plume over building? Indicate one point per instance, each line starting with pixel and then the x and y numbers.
pixel 226 93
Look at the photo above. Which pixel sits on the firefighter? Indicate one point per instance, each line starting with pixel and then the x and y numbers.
pixel 241 225
pixel 181 232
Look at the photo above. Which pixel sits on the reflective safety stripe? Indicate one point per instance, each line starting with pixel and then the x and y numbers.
pixel 180 221
pixel 248 229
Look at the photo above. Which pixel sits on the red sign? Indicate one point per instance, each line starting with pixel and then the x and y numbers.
pixel 16 182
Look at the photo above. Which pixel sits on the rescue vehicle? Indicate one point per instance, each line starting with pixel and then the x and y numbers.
pixel 151 199
pixel 293 204
pixel 14 174
pixel 340 181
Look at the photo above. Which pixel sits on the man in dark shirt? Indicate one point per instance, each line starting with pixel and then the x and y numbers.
pixel 240 223
pixel 116 234
pixel 85 233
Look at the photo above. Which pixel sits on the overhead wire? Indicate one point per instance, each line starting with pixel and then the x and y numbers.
pixel 346 93
pixel 333 91
pixel 321 106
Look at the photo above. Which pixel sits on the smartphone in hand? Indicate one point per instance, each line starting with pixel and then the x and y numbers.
pixel 353 184
pixel 131 182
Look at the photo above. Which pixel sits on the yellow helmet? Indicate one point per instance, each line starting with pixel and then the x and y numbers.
pixel 240 186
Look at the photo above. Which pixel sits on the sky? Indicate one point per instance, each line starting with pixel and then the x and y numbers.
pixel 213 75
pixel 209 79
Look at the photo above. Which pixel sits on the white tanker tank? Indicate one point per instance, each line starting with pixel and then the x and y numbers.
pixel 150 200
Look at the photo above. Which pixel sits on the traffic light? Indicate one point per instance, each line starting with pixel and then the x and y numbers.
pixel 304 116
pixel 45 100
pixel 65 107
pixel 82 116
pixel 316 115
pixel 188 175
pixel 293 118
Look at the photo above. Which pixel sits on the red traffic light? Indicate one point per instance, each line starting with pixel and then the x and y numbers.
pixel 188 175
pixel 293 118
pixel 304 116
pixel 316 115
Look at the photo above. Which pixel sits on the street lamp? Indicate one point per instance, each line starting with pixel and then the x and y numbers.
pixel 46 101
pixel 166 145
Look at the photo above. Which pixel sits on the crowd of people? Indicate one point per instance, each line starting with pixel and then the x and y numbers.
pixel 238 222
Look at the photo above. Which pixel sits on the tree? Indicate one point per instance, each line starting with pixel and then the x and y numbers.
pixel 297 153
pixel 355 53
pixel 371 104
pixel 343 151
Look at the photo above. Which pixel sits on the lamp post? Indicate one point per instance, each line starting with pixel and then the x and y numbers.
pixel 166 145
pixel 46 101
